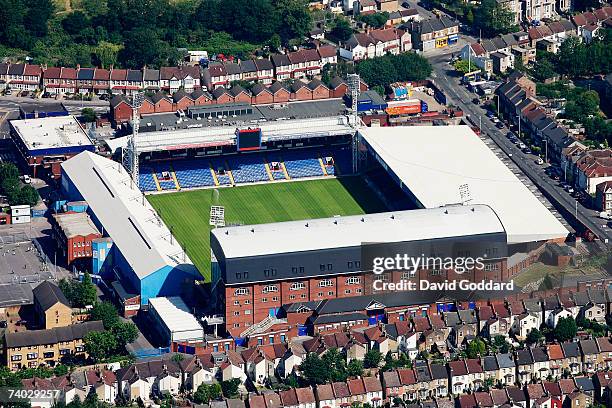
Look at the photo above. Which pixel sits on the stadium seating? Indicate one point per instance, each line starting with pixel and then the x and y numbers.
pixel 248 169
pixel 193 173
pixel 164 176
pixel 303 164
pixel 223 179
pixel 145 179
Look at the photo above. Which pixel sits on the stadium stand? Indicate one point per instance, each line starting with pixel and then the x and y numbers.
pixel 248 169
pixel 223 177
pixel 241 169
pixel 303 164
pixel 146 181
pixel 193 173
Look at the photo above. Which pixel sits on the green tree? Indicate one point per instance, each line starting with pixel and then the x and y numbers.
pixel 95 8
pixel 295 17
pixel 205 393
pixel 494 18
pixel 106 312
pixel 476 348
pixel 38 15
pixel 372 358
pixel 87 293
pixel 500 344
pixel 125 333
pixel 336 365
pixel 354 368
pixel 534 336
pixel 88 115
pixel 376 20
pixel 100 344
pixel 8 171
pixel 543 69
pixel 106 53
pixel 342 29
pixel 314 370
pixel 566 329
pixel 28 195
pixel 230 388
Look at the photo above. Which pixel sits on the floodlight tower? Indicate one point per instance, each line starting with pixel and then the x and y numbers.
pixel 131 158
pixel 354 83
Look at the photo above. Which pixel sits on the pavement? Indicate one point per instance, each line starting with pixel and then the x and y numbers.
pixel 566 204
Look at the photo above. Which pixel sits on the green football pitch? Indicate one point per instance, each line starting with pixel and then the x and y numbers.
pixel 187 213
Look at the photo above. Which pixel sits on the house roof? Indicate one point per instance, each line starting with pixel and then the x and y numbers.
pixel 51 336
pixel 276 87
pixel 555 352
pixel 118 74
pixel 280 60
pixel 457 368
pixel 467 401
pixel 288 397
pixel 325 392
pixel 327 51
pixel 570 349
pixel 499 396
pixel 567 385
pixel 473 365
pixel 86 73
pixel 248 66
pixel 515 394
pixel 588 347
pixel 552 388
pixel 150 74
pixel 341 390
pixel 539 354
pixel 264 64
pixel 483 399
pixel 523 357
pixel 490 363
pixel 48 294
pixel 535 391
pixel 438 371
pixel 406 376
pixel 584 383
pixel 101 74
pixel 391 379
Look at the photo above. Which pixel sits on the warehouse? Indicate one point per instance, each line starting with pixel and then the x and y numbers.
pixel 44 143
pixel 144 256
pixel 173 320
pixel 259 268
pixel 455 159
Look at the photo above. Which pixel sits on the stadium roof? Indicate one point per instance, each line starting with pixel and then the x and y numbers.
pixel 76 224
pixel 127 217
pixel 434 161
pixel 51 133
pixel 176 315
pixel 353 231
pixel 200 136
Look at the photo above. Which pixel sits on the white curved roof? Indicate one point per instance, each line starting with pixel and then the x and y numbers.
pixel 353 231
pixel 433 161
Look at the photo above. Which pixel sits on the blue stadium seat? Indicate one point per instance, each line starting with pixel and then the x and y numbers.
pixel 248 169
pixel 222 178
pixel 165 183
pixel 193 173
pixel 302 164
pixel 145 179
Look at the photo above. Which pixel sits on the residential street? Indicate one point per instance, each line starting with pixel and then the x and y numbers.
pixel 449 83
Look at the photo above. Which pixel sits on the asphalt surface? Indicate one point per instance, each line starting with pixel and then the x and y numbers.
pixel 567 205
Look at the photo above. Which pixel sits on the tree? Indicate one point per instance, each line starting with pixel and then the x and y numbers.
pixel 106 312
pixel 100 344
pixel 494 18
pixel 500 344
pixel 336 365
pixel 106 53
pixel 543 69
pixel 534 336
pixel 476 348
pixel 342 29
pixel 376 20
pixel 354 368
pixel 314 370
pixel 230 388
pixel 87 293
pixel 464 66
pixel 206 393
pixel 295 17
pixel 566 329
pixel 125 333
pixel 372 358
pixel 28 195
pixel 88 115
pixel 38 15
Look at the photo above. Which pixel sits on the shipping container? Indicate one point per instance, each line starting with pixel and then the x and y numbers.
pixel 408 107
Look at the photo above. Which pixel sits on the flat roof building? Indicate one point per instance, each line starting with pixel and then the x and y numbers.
pixel 46 142
pixel 174 320
pixel 73 233
pixel 434 163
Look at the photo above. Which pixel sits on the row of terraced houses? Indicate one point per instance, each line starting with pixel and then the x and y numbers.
pixel 67 80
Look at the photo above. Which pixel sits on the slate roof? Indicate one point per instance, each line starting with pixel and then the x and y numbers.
pixel 47 294
pixel 570 349
pixel 490 363
pixel 51 336
pixel 523 357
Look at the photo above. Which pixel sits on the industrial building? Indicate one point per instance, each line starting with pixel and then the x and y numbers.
pixel 73 234
pixel 44 143
pixel 258 268
pixel 175 322
pixel 144 256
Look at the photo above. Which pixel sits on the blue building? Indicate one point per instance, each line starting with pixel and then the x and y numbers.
pixel 143 255
pixel 370 100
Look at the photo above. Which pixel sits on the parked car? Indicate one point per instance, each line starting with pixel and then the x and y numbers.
pixel 539 161
pixel 499 125
pixel 522 145
pixel 527 150
pixel 476 101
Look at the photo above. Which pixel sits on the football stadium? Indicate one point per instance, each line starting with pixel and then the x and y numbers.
pixel 201 182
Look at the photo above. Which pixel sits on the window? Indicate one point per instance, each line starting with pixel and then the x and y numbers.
pixel 48 354
pixel 325 283
pixel 357 264
pixel 236 313
pixel 353 280
pixel 247 312
pixel 301 269
pixel 329 267
pixel 247 302
pixel 238 275
pixel 270 288
pixel 322 267
pixel 303 296
pixel 297 286
pixel 16 357
pixel 358 290
pixel 241 291
pixel 292 297
pixel 32 356
pixel 347 292
pixel 275 299
pixel 330 293
pixel 264 300
pixel 266 272
pixel 349 265
pixel 236 303
pixel 294 269
pixel 320 294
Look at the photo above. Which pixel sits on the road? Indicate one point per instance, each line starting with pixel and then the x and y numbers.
pixel 568 205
